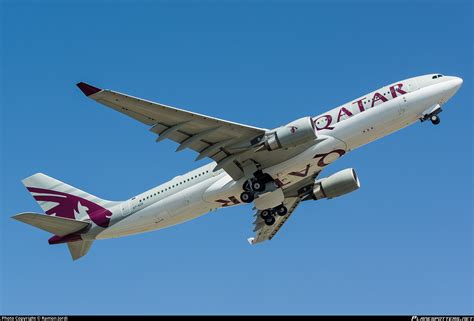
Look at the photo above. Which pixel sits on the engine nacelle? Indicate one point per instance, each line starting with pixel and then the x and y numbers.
pixel 293 134
pixel 337 184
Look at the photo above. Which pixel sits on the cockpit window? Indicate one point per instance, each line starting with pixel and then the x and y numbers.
pixel 439 76
pixel 434 77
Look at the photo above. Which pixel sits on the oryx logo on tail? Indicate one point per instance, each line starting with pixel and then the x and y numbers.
pixel 57 198
pixel 71 206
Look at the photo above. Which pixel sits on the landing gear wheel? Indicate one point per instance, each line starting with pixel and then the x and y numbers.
pixel 247 197
pixel 435 119
pixel 281 210
pixel 269 220
pixel 265 213
pixel 258 186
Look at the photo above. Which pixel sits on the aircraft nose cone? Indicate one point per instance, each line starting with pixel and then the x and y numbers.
pixel 452 86
pixel 457 82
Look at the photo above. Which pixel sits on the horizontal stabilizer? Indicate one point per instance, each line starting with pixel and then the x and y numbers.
pixel 54 224
pixel 79 249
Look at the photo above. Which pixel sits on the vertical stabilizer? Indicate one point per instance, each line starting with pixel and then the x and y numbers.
pixel 60 199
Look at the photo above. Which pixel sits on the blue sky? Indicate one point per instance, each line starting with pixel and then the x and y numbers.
pixel 402 244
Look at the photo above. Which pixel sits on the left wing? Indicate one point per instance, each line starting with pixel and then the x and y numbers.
pixel 221 140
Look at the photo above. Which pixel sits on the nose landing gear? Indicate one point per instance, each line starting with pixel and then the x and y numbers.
pixel 432 115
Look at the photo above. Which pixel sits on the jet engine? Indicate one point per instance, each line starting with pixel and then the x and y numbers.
pixel 337 184
pixel 293 134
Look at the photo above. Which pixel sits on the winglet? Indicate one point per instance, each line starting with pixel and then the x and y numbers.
pixel 88 89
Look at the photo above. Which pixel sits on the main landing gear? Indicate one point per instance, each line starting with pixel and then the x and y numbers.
pixel 257 185
pixel 268 215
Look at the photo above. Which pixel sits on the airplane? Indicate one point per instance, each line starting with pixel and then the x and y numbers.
pixel 275 169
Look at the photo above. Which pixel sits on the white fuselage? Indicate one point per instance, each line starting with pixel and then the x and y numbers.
pixel 344 128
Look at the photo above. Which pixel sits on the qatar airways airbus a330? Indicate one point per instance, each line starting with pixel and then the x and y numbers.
pixel 275 169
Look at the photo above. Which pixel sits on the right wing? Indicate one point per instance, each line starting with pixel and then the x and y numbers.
pixel 221 140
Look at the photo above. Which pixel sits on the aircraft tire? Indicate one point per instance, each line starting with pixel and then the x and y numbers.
pixel 435 120
pixel 247 197
pixel 281 210
pixel 269 220
pixel 265 213
pixel 258 186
